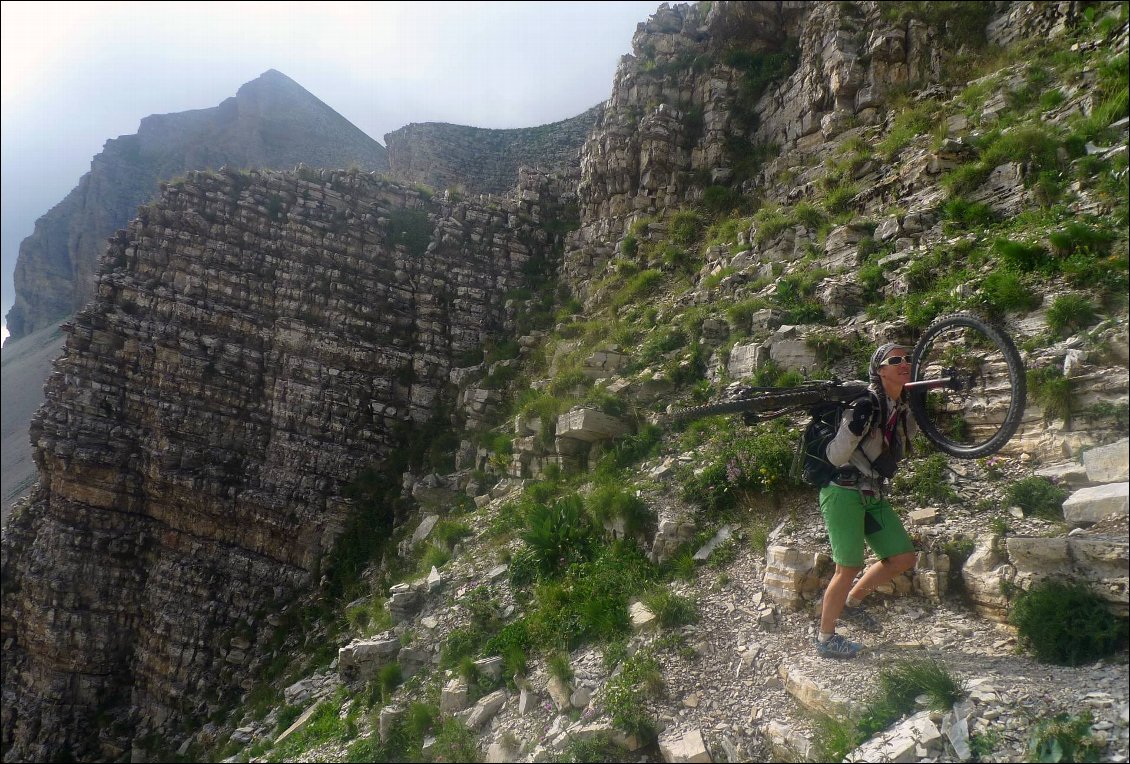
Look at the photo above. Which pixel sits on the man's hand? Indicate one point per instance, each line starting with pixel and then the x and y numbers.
pixel 861 416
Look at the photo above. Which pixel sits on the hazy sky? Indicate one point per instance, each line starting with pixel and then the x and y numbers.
pixel 77 74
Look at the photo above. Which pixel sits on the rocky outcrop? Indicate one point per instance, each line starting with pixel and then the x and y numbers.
pixel 483 161
pixel 258 339
pixel 271 122
pixel 713 92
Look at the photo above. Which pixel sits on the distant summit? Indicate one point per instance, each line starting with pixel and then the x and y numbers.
pixel 271 122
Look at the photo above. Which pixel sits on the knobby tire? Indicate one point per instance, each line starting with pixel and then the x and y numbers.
pixel 1016 381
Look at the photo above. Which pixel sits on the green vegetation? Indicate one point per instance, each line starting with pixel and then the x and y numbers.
pixel 610 503
pixel 909 123
pixel 1064 738
pixel 1070 313
pixel 895 695
pixel 626 694
pixel 1037 496
pixel 597 749
pixel 326 725
pixel 1052 392
pixel 759 71
pixel 925 480
pixel 1066 624
pixel 964 21
pixel 670 609
pixel 759 461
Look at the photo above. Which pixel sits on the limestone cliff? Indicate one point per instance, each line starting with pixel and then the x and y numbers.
pixel 480 160
pixel 271 122
pixel 256 341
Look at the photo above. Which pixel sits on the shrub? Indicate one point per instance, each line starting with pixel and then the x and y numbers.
pixel 967 214
pixel 1071 312
pixel 927 481
pixel 558 665
pixel 1003 291
pixel 669 608
pixel 388 679
pixel 839 199
pixel 629 246
pixel 629 450
pixel 599 748
pixel 410 228
pixel 1030 144
pixel 610 502
pixel 590 601
pixel 1066 624
pixel 809 215
pixel 759 70
pixel 624 695
pixel 639 286
pixel 433 557
pixel 966 178
pixel 685 227
pixel 1063 738
pixel 461 643
pixel 899 685
pixel 908 124
pixel 678 259
pixel 1080 237
pixel 1023 257
pixel 1037 496
pixel 718 200
pixel 447 533
pixel 760 462
pixel 768 222
pixel 455 742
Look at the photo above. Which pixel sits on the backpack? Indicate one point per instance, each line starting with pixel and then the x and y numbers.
pixel 812 465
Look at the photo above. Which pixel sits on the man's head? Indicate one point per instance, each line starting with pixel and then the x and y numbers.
pixel 890 364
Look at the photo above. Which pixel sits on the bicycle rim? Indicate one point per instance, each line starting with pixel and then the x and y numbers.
pixel 979 420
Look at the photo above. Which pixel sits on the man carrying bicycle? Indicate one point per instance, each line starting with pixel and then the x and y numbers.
pixel 873 436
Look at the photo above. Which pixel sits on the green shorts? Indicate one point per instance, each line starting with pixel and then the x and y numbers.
pixel 845 511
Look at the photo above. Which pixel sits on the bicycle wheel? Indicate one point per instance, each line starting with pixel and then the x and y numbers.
pixel 973 387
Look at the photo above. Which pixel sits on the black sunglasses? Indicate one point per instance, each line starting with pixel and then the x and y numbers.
pixel 894 360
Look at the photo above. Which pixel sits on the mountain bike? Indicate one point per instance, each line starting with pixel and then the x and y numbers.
pixel 967 390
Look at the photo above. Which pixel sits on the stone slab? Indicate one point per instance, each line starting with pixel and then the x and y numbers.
pixel 1089 505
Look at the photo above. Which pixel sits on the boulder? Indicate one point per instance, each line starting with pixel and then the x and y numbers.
pixel 589 425
pixel 1108 464
pixel 685 747
pixel 1089 505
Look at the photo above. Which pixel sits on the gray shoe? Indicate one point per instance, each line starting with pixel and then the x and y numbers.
pixel 837 647
pixel 861 619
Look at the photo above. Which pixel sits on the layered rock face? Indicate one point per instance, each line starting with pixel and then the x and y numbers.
pixel 681 118
pixel 480 160
pixel 272 122
pixel 257 340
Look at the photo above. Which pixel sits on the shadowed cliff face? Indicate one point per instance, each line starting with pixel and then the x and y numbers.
pixel 256 340
pixel 272 122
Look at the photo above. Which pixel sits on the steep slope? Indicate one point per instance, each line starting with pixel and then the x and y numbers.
pixel 259 340
pixel 271 122
pixel 747 212
pixel 543 600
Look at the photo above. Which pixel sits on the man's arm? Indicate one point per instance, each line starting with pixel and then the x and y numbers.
pixel 853 427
